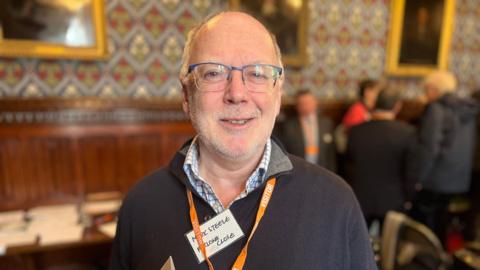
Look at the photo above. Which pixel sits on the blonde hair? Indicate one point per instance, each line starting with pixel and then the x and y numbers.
pixel 192 36
pixel 443 81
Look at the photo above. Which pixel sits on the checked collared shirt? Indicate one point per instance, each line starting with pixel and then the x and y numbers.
pixel 190 166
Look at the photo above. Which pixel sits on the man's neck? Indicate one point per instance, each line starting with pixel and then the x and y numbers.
pixel 307 115
pixel 227 177
pixel 383 115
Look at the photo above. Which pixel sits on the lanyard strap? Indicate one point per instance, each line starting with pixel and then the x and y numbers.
pixel 240 261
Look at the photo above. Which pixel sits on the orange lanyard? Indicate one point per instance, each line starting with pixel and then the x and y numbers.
pixel 240 261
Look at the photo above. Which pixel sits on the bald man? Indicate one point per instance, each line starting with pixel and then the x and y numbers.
pixel 231 198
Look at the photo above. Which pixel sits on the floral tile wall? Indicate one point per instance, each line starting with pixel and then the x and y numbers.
pixel 346 42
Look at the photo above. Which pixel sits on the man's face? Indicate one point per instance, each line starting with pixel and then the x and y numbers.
pixel 306 105
pixel 234 123
pixel 431 92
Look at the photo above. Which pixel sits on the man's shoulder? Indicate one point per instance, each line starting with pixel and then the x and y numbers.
pixel 403 127
pixel 317 179
pixel 367 127
pixel 159 185
pixel 396 126
pixel 434 108
pixel 382 125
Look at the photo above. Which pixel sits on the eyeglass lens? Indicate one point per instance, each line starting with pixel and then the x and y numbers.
pixel 212 77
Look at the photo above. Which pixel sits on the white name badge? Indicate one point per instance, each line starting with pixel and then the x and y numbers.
pixel 217 234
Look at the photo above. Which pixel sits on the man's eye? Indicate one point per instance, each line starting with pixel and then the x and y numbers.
pixel 257 75
pixel 212 75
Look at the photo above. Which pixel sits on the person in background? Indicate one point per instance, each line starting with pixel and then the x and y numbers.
pixel 265 209
pixel 359 112
pixel 447 143
pixel 309 134
pixel 380 156
pixel 473 226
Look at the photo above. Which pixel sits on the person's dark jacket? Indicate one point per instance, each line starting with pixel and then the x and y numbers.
pixel 381 167
pixel 447 139
pixel 313 221
pixel 476 160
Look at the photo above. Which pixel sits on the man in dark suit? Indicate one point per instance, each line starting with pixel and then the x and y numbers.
pixel 381 167
pixel 309 134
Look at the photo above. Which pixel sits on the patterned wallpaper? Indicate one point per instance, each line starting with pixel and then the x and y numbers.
pixel 346 42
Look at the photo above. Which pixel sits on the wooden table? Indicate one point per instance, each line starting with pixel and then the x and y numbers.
pixel 92 252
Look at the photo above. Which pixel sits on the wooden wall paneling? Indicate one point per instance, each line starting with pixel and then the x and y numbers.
pixel 100 162
pixel 141 154
pixel 174 138
pixel 12 186
pixel 49 171
pixel 77 167
pixel 151 149
pixel 35 168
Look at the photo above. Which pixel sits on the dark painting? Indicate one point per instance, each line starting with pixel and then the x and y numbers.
pixel 421 32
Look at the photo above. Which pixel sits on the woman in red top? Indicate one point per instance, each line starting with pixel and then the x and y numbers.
pixel 359 112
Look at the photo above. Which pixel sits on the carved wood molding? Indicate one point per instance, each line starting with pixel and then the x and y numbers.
pixel 96 110
pixel 89 110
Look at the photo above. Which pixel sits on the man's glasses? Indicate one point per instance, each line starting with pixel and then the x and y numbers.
pixel 213 77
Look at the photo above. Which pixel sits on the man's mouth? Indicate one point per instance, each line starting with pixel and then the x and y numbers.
pixel 237 121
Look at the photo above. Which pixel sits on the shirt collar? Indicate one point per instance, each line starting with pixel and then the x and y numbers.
pixel 192 159
pixel 191 169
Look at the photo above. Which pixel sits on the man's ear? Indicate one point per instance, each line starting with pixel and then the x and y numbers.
pixel 185 100
pixel 279 100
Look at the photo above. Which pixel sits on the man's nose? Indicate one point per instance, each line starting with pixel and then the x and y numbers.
pixel 236 91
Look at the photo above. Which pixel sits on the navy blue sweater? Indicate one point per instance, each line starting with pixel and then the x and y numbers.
pixel 313 221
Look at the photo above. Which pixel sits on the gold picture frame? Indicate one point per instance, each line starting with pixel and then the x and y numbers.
pixel 83 37
pixel 420 36
pixel 287 20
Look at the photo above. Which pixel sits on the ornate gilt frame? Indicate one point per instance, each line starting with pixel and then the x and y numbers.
pixel 393 65
pixel 39 49
pixel 298 59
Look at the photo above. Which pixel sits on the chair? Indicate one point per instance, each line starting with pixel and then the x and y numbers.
pixel 408 244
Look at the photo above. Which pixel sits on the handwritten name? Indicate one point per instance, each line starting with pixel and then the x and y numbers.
pixel 212 228
pixel 219 240
pixel 219 224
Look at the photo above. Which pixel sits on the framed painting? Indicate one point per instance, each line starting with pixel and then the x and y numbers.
pixel 287 20
pixel 73 29
pixel 420 36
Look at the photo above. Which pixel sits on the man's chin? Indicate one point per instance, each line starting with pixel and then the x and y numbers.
pixel 235 149
pixel 236 153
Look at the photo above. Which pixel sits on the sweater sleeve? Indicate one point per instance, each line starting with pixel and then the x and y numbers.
pixel 360 248
pixel 120 259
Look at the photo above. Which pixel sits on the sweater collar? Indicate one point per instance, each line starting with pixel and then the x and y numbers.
pixel 279 162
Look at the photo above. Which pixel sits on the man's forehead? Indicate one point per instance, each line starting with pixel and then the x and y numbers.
pixel 234 19
pixel 234 27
